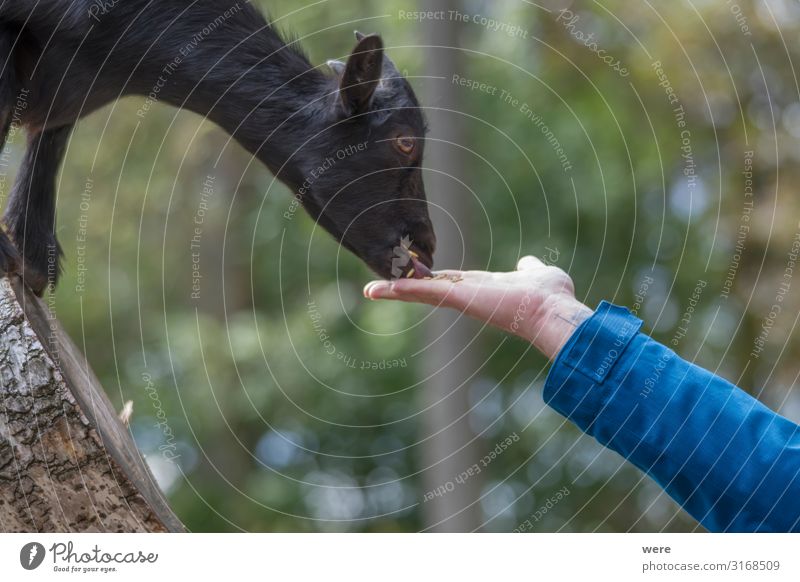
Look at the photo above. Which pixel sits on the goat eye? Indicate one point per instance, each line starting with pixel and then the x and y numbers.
pixel 405 144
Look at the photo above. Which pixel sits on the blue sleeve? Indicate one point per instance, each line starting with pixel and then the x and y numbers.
pixel 731 462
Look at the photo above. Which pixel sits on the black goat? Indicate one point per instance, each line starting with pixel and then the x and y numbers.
pixel 63 59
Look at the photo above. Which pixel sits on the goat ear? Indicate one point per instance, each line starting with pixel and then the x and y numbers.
pixel 362 73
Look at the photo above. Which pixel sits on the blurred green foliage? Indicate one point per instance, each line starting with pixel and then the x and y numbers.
pixel 275 434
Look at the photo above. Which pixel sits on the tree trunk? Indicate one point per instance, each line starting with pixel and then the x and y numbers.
pixel 450 361
pixel 67 463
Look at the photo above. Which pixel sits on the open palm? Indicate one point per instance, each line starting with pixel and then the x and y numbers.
pixel 528 302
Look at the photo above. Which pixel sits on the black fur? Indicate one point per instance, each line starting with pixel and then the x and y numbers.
pixel 63 59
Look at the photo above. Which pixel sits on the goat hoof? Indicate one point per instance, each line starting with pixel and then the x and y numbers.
pixel 9 258
pixel 30 277
pixel 34 279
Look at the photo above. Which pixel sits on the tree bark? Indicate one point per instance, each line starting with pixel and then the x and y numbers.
pixel 450 447
pixel 67 463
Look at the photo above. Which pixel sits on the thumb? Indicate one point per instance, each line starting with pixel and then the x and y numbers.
pixel 529 262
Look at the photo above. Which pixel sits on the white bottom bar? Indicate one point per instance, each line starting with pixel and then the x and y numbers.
pixel 402 557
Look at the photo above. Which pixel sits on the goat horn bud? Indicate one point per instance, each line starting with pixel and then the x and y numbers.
pixel 336 66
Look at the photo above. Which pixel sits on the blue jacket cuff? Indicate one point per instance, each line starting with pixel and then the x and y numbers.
pixel 590 356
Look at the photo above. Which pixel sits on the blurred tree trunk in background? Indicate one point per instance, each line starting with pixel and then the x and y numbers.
pixel 229 180
pixel 227 290
pixel 450 450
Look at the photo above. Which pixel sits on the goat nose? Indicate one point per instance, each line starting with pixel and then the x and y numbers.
pixel 427 242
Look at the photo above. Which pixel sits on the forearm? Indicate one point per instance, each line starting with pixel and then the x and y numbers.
pixel 726 458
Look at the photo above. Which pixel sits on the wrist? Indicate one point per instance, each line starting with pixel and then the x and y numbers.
pixel 556 320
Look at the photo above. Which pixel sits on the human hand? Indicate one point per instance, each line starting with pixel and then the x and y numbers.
pixel 536 302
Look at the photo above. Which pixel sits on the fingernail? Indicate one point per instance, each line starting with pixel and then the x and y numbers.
pixel 369 289
pixel 376 289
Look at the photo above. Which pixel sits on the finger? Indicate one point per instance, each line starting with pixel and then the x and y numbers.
pixel 451 273
pixel 377 289
pixel 529 262
pixel 430 291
